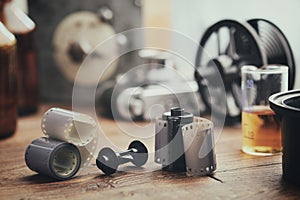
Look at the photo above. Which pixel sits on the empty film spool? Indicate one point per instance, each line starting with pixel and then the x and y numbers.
pixel 76 128
pixel 57 159
pixel 199 148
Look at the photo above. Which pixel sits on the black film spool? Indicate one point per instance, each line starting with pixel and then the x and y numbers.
pixel 108 160
pixel 275 45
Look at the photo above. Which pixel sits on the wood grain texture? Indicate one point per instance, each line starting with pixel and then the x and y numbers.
pixel 238 176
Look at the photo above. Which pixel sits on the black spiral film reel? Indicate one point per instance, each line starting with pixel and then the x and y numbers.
pixel 231 45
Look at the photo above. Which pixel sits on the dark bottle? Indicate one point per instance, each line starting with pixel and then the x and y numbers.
pixel 23 28
pixel 8 82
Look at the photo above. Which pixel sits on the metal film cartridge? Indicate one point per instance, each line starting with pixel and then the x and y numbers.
pixel 169 149
pixel 54 158
pixel 185 143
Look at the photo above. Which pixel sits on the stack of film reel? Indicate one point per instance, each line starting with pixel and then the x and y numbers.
pixel 70 144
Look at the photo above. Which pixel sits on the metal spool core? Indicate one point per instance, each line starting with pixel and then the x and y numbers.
pixel 65 162
pixel 257 42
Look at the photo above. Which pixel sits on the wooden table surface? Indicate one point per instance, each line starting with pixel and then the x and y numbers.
pixel 238 175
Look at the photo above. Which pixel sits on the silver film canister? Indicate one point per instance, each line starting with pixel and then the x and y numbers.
pixel 169 149
pixel 57 159
pixel 199 148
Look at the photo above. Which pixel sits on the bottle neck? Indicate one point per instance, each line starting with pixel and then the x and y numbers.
pixel 15 19
pixel 2 6
pixel 3 3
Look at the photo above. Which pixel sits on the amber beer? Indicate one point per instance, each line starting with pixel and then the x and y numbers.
pixel 261 131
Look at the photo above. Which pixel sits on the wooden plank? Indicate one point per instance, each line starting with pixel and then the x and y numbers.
pixel 238 175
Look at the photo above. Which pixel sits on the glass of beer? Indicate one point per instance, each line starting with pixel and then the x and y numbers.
pixel 260 127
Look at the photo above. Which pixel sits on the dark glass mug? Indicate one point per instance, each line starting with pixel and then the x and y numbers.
pixel 287 108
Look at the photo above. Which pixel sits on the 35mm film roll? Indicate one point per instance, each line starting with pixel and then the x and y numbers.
pixel 57 159
pixel 169 150
pixel 68 126
pixel 185 143
pixel 70 145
